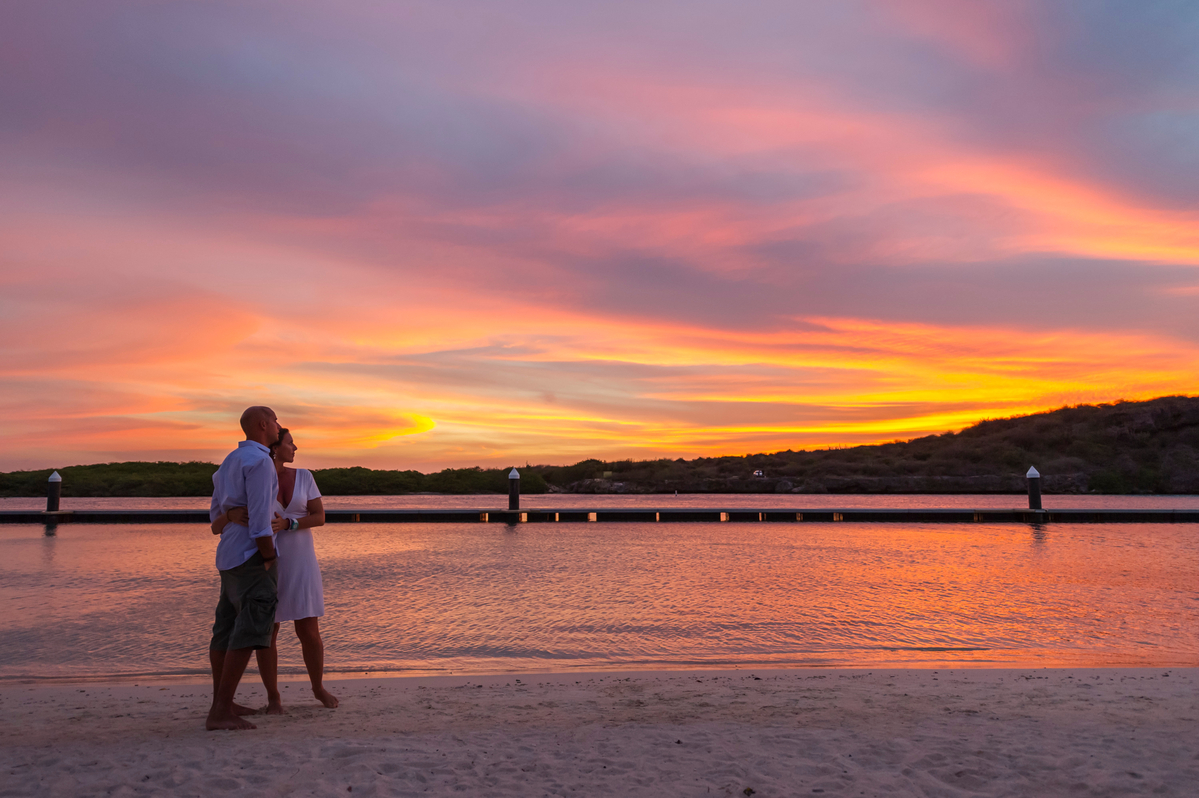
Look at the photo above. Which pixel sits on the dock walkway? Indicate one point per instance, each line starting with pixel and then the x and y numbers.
pixel 639 515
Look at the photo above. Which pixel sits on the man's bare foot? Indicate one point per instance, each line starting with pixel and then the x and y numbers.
pixel 238 709
pixel 325 697
pixel 228 723
pixel 275 707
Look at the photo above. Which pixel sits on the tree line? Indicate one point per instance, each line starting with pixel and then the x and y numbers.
pixel 1125 447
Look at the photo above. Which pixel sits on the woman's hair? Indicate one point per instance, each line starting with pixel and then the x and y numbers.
pixel 282 431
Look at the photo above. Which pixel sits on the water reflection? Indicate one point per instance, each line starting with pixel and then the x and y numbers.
pixel 413 597
pixel 49 548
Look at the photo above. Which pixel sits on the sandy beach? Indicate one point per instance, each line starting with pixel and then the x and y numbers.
pixel 876 732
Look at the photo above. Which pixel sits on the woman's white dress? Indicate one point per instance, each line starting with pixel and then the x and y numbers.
pixel 301 594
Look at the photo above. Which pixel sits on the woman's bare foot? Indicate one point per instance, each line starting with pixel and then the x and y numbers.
pixel 325 697
pixel 238 709
pixel 228 723
pixel 275 707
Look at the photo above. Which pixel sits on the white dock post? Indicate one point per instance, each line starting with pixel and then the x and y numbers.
pixel 53 493
pixel 1034 489
pixel 514 490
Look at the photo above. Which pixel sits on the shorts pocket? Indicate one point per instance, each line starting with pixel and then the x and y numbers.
pixel 261 611
pixel 257 622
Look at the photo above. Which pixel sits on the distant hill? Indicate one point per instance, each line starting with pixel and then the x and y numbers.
pixel 1126 447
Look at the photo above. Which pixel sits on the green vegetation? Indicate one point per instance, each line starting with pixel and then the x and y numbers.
pixel 195 479
pixel 1127 447
pixel 116 479
pixel 360 481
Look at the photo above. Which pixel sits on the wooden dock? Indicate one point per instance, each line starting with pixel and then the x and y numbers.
pixel 639 515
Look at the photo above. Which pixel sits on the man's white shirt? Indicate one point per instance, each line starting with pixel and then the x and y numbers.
pixel 247 479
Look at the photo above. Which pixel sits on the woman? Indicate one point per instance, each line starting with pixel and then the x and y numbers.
pixel 301 595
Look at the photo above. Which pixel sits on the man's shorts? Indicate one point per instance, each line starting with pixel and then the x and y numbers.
pixel 245 614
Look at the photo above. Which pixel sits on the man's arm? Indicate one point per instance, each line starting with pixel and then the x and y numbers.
pixel 266 547
pixel 261 487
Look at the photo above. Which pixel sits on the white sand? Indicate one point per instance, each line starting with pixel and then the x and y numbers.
pixel 798 732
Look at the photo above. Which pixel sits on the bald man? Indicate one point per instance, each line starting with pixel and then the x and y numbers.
pixel 245 614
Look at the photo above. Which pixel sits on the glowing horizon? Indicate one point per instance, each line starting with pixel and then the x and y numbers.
pixel 435 235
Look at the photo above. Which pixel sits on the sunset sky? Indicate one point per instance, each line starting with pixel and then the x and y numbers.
pixel 450 233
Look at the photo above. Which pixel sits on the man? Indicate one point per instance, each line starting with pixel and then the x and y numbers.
pixel 245 614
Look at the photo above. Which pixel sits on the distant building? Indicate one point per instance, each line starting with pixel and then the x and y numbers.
pixel 759 473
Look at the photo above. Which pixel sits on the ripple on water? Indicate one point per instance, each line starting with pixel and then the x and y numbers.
pixel 110 599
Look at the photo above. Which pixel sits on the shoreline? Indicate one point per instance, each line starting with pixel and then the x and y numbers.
pixel 859 731
pixel 297 673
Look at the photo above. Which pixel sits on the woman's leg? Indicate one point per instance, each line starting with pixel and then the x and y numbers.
pixel 268 669
pixel 309 632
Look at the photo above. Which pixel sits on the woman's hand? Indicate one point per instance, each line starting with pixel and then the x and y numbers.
pixel 279 523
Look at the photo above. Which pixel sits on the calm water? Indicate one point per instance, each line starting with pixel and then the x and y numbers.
pixel 137 599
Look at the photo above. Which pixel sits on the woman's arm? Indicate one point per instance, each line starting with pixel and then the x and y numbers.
pixel 316 508
pixel 315 517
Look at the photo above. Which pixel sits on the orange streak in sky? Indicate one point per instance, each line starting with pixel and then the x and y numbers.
pixel 1078 218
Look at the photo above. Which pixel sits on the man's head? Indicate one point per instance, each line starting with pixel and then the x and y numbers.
pixel 260 425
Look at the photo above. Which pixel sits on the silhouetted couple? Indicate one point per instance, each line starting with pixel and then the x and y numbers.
pixel 263 512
